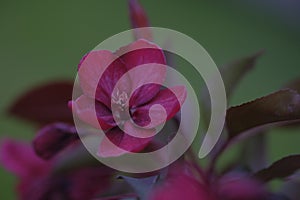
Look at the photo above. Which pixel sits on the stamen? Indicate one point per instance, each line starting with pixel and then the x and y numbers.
pixel 120 98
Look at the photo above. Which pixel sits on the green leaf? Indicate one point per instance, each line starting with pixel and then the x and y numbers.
pixel 280 169
pixel 281 106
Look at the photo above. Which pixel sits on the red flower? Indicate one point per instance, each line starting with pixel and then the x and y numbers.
pixel 38 182
pixel 238 187
pixel 184 183
pixel 100 70
pixel 181 187
pixel 179 184
pixel 53 138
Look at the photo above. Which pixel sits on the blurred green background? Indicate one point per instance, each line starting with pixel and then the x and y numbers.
pixel 42 41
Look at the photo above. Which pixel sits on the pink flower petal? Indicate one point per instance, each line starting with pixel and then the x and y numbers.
pixel 99 72
pixel 117 143
pixel 93 113
pixel 170 99
pixel 91 68
pixel 139 53
pixel 19 158
pixel 147 80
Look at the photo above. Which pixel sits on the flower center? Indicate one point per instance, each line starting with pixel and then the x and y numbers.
pixel 120 99
pixel 120 105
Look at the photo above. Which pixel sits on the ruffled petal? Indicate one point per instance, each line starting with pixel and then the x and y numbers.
pixel 99 72
pixel 138 53
pixel 117 143
pixel 99 116
pixel 161 108
pixel 147 80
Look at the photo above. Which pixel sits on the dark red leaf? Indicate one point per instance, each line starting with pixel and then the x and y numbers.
pixel 281 106
pixel 280 169
pixel 233 72
pixel 45 104
pixel 294 85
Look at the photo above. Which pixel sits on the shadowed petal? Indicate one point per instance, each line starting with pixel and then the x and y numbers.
pixel 117 143
pixel 53 138
pixel 170 99
pixel 146 82
pixel 135 131
pixel 139 19
pixel 99 118
pixel 141 52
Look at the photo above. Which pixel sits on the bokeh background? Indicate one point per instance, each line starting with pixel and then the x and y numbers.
pixel 41 41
